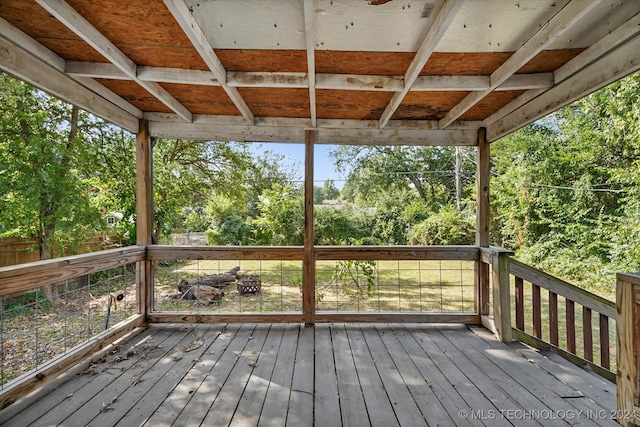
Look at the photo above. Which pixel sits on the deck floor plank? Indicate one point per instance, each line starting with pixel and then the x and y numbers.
pixel 73 393
pixel 113 401
pixel 229 398
pixel 149 396
pixel 406 409
pixel 274 408
pixel 328 374
pixel 327 410
pixel 91 396
pixel 352 405
pixel 381 411
pixel 506 382
pixel 442 389
pixel 557 396
pixel 202 398
pixel 300 410
pixel 169 409
pixel 255 392
pixel 475 399
pixel 420 387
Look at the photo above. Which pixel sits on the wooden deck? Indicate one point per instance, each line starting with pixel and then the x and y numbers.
pixel 328 375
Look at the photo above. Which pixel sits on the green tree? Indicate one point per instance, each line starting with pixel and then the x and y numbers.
pixel 281 219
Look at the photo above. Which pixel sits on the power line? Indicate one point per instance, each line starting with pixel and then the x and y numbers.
pixel 560 187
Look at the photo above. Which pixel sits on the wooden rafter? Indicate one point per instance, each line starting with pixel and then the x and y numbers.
pixel 609 68
pixel 40 52
pixel 192 29
pixel 76 23
pixel 31 70
pixel 560 23
pixel 309 28
pixel 428 45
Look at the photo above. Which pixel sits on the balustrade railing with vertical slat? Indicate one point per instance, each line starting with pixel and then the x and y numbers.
pixel 549 319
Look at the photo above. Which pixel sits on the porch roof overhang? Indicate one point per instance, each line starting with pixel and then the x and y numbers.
pixel 418 72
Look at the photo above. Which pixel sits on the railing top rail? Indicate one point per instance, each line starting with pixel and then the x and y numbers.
pixel 633 278
pixel 565 289
pixel 22 277
pixel 184 252
pixel 330 253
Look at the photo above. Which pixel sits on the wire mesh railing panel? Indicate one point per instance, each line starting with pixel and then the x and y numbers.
pixel 228 286
pixel 413 286
pixel 35 329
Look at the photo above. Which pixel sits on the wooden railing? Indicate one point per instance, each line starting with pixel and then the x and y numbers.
pixel 628 339
pixel 73 275
pixel 494 302
pixel 324 259
pixel 543 321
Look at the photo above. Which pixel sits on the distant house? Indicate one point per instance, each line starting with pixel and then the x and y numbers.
pixel 114 218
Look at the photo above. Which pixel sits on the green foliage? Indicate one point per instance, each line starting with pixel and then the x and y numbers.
pixel 446 227
pixel 358 274
pixel 46 179
pixel 281 219
pixel 566 191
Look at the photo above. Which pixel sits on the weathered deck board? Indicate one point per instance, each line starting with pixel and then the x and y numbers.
pixel 330 374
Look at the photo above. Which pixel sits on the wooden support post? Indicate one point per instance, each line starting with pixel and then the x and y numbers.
pixel 144 214
pixel 502 295
pixel 482 222
pixel 308 263
pixel 628 348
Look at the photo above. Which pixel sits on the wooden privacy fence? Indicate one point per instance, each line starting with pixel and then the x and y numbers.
pixel 19 250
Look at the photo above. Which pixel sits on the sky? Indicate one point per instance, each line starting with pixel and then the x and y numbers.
pixel 294 153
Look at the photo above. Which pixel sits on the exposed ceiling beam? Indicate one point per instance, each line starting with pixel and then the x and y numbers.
pixel 324 134
pixel 309 30
pixel 42 53
pixel 614 66
pixel 611 41
pixel 429 42
pixel 558 24
pixel 28 68
pixel 299 80
pixel 190 26
pixel 76 23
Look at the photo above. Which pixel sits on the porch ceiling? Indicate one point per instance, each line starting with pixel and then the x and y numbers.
pixel 359 72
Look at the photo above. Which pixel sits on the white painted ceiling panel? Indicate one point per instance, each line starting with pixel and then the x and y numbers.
pixel 356 25
pixel 397 25
pixel 251 24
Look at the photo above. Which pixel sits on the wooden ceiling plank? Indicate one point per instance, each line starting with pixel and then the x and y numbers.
pixel 431 39
pixel 561 22
pixel 80 26
pixel 190 26
pixel 309 30
pixel 109 95
pixel 32 70
pixel 612 67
